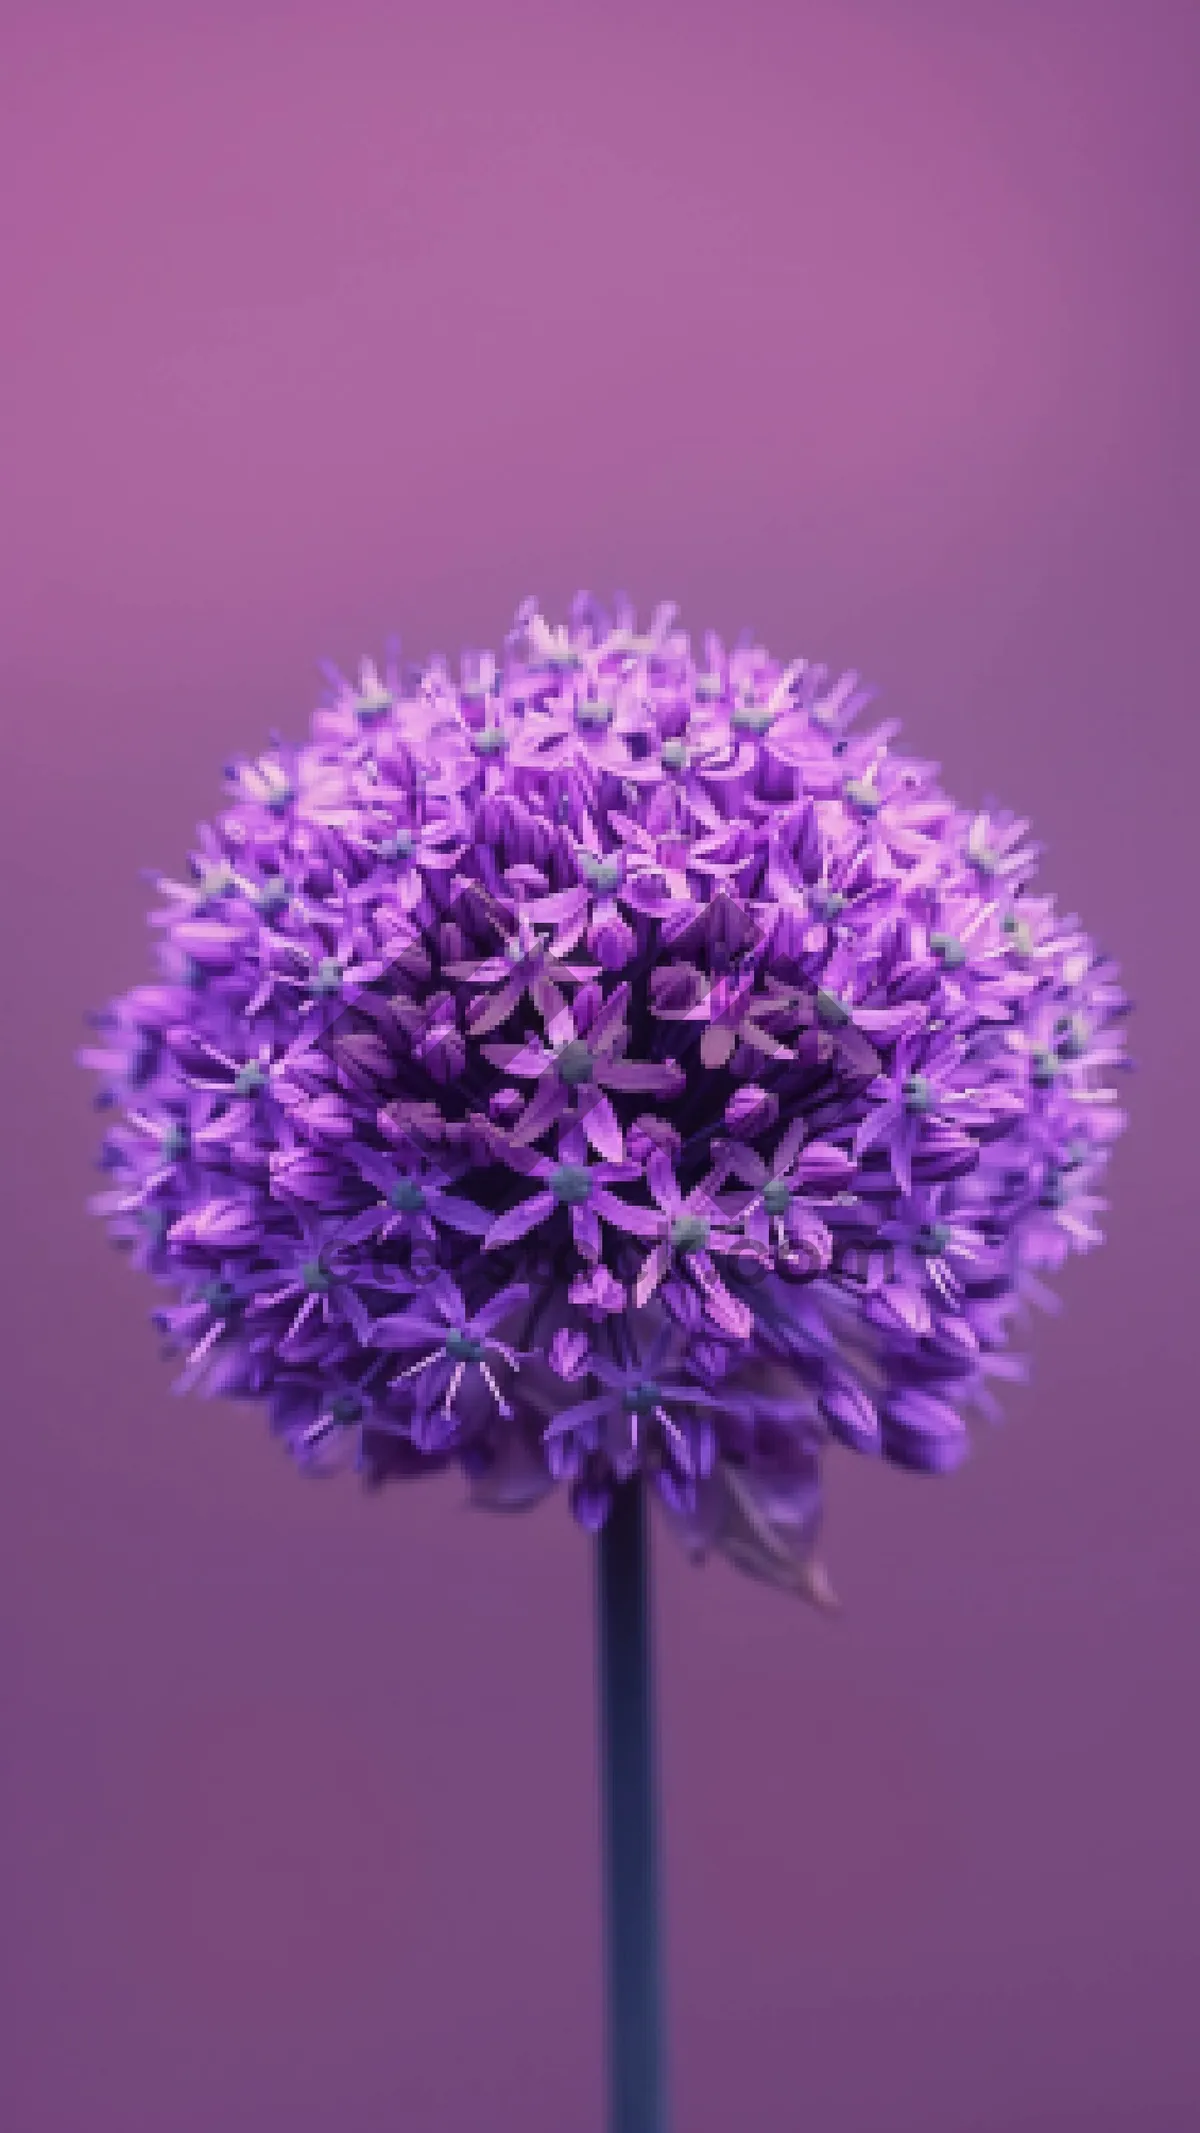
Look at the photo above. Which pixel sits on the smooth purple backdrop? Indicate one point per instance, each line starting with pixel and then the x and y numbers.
pixel 873 327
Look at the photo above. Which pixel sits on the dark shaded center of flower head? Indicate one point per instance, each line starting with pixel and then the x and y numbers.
pixel 1020 937
pixel 281 794
pixel 406 1197
pixel 571 1184
pixel 1053 1191
pixel 863 795
pixel 826 903
pixel 594 717
pixel 932 1238
pixel 830 1010
pixel 689 1233
pixel 398 847
pixel 220 1298
pixel 490 740
pixel 345 1409
pixel 461 1348
pixel 642 1398
pixel 918 1092
pixel 314 1277
pixel 777 1197
pixel 575 1063
pixel 603 874
pixel 985 860
pixel 249 1080
pixel 948 949
pixel 707 688
pixel 327 977
pixel 173 1142
pixel 673 755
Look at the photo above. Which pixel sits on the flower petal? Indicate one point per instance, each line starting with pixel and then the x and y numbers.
pixel 924 1433
pixel 519 1220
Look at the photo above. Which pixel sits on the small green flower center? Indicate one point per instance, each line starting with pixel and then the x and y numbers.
pixel 490 740
pixel 826 903
pixel 830 1010
pixel 219 1297
pixel 279 799
pixel 461 1348
pixel 575 1063
pixel 594 717
pixel 1045 1066
pixel 173 1143
pixel 752 718
pixel 673 755
pixel 327 978
pixel 985 860
pixel 641 1398
pixel 216 882
pixel 273 894
pixel 314 1277
pixel 1053 1192
pixel 932 1238
pixel 951 951
pixel 1070 1036
pixel 863 795
pixel 707 688
pixel 602 874
pixel 372 705
pixel 406 1197
pixel 249 1080
pixel 515 952
pixel 346 1409
pixel 1020 936
pixel 918 1092
pixel 777 1197
pixel 689 1233
pixel 571 1184
pixel 400 846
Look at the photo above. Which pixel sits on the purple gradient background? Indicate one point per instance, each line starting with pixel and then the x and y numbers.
pixel 874 327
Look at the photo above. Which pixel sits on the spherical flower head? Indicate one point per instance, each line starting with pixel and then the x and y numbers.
pixel 609 1062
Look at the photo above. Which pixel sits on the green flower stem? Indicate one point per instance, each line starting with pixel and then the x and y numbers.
pixel 629 1805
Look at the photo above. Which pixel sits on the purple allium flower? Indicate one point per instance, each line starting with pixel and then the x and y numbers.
pixel 670 1075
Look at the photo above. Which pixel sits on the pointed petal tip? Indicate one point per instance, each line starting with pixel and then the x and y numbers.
pixel 814 1584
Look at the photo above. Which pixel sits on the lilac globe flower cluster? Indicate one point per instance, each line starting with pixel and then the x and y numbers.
pixel 609 1061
